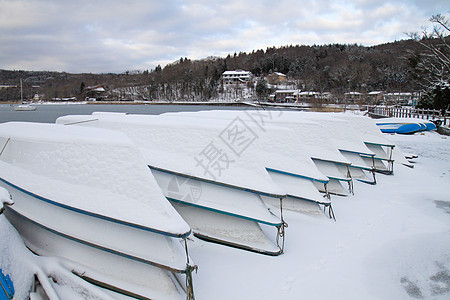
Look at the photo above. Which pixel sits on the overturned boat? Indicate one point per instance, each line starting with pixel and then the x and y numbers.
pixel 87 196
pixel 282 154
pixel 305 144
pixel 350 144
pixel 217 190
pixel 404 125
pixel 386 152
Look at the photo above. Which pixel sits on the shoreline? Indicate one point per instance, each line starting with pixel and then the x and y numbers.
pixel 129 103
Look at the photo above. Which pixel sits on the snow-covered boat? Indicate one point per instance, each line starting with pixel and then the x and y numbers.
pixel 281 153
pixel 86 195
pixel 348 141
pixel 375 141
pixel 215 190
pixel 323 151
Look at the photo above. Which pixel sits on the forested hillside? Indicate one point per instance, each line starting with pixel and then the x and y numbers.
pixel 335 68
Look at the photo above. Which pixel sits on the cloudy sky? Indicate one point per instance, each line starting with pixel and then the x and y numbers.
pixel 118 35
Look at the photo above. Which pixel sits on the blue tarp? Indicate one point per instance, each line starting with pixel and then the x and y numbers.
pixel 7 287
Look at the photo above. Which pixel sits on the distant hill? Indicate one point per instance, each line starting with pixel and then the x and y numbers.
pixel 335 68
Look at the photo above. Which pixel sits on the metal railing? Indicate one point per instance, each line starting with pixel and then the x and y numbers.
pixel 410 112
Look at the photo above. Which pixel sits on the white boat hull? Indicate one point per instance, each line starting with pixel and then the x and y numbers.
pixel 220 214
pixel 125 256
pixel 303 195
pixel 227 230
pixel 338 175
pixel 336 187
pixel 384 162
pixel 24 107
pixel 360 167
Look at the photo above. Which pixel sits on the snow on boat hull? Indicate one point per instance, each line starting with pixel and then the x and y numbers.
pixel 296 176
pixel 222 229
pixel 176 154
pixel 336 186
pixel 338 175
pixel 220 214
pixel 302 194
pixel 84 240
pixel 86 196
pixel 383 161
pixel 116 270
pixel 360 167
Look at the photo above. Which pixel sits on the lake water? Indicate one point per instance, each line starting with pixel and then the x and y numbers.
pixel 48 113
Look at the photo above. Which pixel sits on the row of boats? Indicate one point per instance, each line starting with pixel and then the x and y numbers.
pixel 118 195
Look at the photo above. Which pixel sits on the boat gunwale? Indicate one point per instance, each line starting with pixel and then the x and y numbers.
pixel 98 247
pixel 223 212
pixel 362 167
pixel 296 175
pixel 344 179
pixel 332 161
pixel 207 238
pixel 151 167
pixel 310 200
pixel 378 158
pixel 380 144
pixel 99 216
pixel 358 152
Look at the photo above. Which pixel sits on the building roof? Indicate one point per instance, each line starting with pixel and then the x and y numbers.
pixel 279 74
pixel 295 92
pixel 305 93
pixel 96 88
pixel 237 72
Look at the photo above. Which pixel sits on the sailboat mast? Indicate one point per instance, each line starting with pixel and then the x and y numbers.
pixel 21 91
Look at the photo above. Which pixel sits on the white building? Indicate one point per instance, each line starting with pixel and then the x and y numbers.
pixel 236 77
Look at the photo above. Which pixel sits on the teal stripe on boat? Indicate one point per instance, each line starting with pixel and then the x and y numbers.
pixel 309 200
pixel 357 152
pixel 223 212
pixel 331 161
pixel 98 247
pixel 84 212
pixel 296 175
pixel 377 158
pixel 217 183
pixel 340 178
pixel 361 167
pixel 379 144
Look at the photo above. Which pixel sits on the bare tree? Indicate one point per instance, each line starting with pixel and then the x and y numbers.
pixel 435 61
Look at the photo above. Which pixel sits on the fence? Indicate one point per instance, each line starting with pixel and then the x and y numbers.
pixel 409 112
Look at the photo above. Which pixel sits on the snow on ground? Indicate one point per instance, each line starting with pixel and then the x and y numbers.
pixel 390 241
pixel 15 260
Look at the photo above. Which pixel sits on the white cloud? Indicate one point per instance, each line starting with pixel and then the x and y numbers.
pixel 116 35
